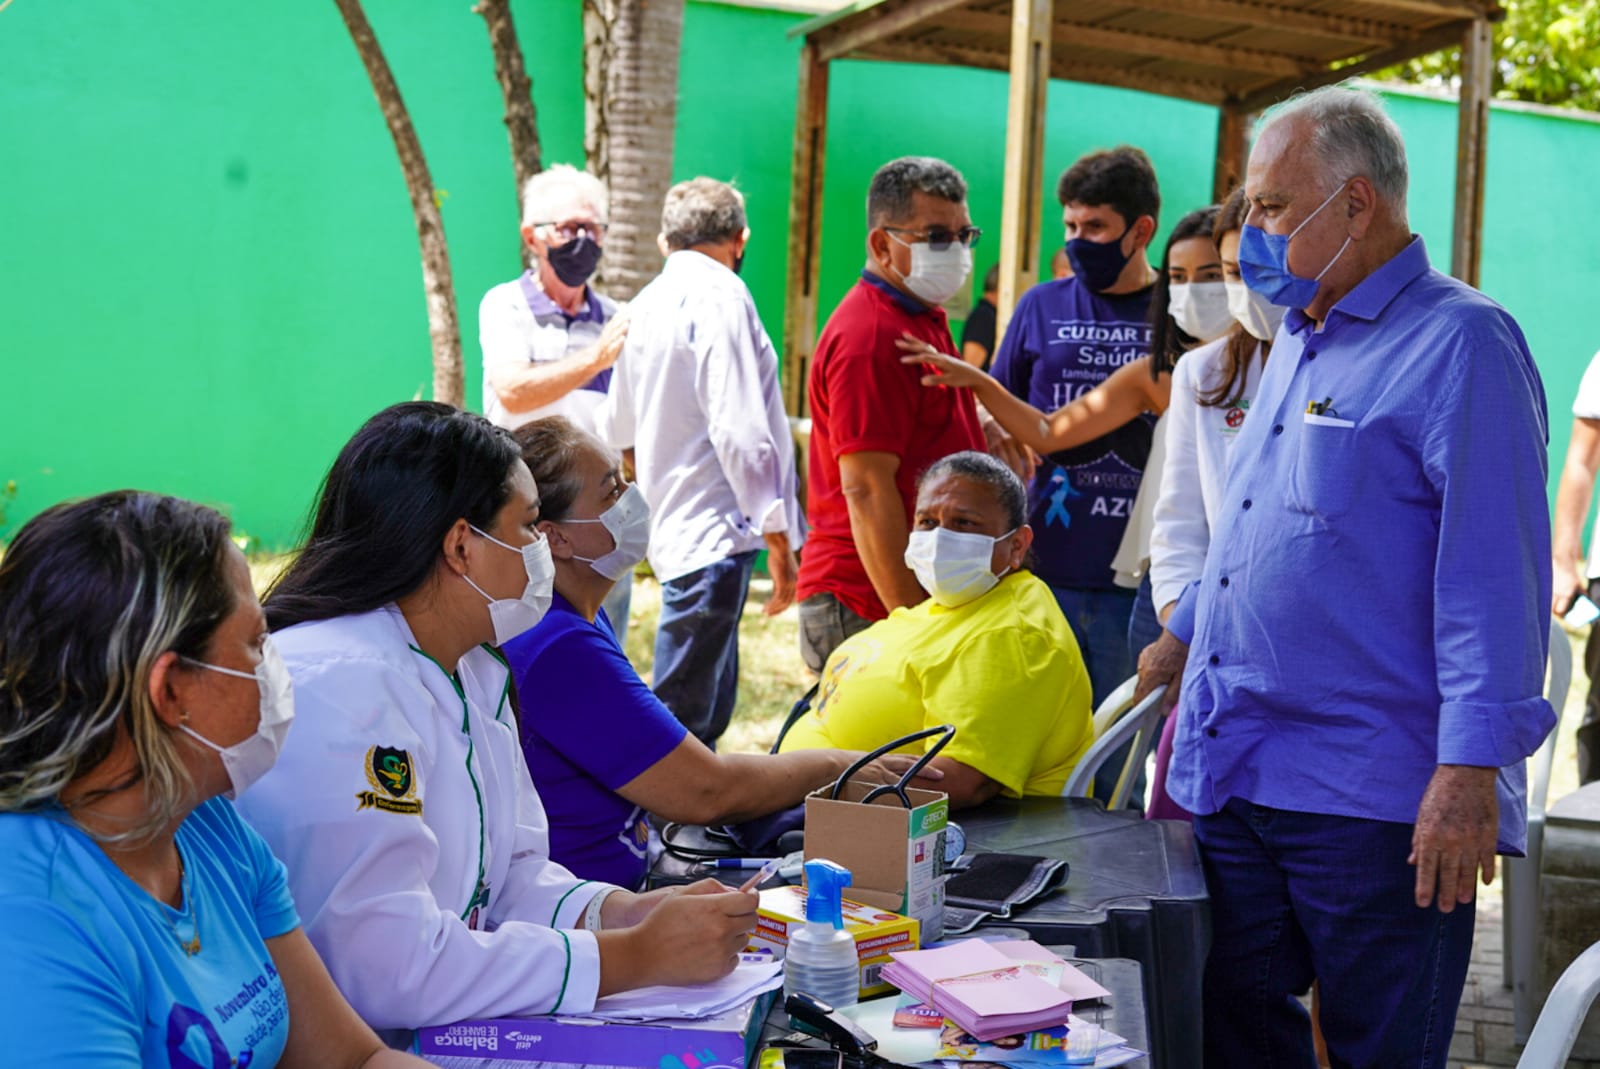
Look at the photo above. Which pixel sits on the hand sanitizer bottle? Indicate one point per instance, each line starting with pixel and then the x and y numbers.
pixel 821 960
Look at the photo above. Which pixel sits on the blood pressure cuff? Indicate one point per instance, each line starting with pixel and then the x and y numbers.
pixel 993 885
pixel 765 836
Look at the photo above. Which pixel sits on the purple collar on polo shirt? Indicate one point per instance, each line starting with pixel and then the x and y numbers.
pixel 540 304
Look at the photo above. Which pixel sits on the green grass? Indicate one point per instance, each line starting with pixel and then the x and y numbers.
pixel 771 674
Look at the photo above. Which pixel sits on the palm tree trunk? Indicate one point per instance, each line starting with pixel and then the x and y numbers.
pixel 630 88
pixel 522 121
pixel 443 325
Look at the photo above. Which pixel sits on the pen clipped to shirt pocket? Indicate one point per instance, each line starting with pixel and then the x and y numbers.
pixel 1327 465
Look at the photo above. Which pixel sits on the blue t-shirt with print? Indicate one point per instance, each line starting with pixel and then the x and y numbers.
pixel 95 973
pixel 589 725
pixel 1063 341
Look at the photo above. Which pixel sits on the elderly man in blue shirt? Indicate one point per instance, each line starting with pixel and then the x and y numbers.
pixel 1363 657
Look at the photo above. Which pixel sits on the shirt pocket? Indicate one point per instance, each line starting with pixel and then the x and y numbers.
pixel 1327 466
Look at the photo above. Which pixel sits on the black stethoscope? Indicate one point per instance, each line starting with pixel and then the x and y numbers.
pixel 898 788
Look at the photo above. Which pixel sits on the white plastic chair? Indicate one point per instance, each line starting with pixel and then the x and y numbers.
pixel 1118 720
pixel 1563 1013
pixel 1520 935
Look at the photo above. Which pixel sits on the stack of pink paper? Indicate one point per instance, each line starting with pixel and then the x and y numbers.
pixel 989 989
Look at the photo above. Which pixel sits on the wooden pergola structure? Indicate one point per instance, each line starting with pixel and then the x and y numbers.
pixel 1240 56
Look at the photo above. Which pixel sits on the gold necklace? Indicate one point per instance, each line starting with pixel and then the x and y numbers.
pixel 190 912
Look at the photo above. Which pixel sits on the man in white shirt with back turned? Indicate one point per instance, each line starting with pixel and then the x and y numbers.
pixel 695 395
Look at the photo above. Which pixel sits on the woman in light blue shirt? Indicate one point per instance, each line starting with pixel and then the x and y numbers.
pixel 145 924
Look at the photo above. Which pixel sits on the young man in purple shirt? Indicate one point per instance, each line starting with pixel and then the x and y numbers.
pixel 1065 338
pixel 1366 643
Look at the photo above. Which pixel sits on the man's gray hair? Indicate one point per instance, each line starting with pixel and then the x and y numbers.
pixel 890 194
pixel 549 190
pixel 701 211
pixel 1352 135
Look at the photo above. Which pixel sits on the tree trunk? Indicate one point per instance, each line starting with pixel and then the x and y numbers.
pixel 443 326
pixel 630 89
pixel 522 121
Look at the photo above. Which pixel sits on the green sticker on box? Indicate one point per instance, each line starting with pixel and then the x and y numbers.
pixel 931 818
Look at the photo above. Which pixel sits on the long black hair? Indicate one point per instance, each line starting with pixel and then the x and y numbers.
pixel 1168 341
pixel 395 490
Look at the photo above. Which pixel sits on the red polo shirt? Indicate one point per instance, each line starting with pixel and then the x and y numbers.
pixel 863 399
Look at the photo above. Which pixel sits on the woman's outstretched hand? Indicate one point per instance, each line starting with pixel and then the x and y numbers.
pixel 946 370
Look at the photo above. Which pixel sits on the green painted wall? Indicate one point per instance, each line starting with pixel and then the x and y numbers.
pixel 208 273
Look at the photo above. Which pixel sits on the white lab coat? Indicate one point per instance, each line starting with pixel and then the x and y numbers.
pixel 387 893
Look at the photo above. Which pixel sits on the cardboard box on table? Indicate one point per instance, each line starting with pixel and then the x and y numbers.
pixel 895 855
pixel 877 932
pixel 727 1041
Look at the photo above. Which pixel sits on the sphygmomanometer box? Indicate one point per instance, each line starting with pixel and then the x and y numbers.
pixel 893 848
pixel 877 932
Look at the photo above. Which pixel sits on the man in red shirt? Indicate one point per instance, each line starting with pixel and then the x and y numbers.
pixel 875 427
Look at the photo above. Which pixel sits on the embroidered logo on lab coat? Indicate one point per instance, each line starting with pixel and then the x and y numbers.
pixel 394 786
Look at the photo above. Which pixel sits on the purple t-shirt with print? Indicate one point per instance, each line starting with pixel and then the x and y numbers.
pixel 1062 342
pixel 589 725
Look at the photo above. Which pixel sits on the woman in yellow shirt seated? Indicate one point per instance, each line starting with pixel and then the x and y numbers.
pixel 989 651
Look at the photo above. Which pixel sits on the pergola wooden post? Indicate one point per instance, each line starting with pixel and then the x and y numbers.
pixel 805 228
pixel 1472 146
pixel 1240 56
pixel 1233 151
pixel 1024 168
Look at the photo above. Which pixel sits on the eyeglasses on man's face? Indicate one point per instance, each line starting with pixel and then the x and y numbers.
pixel 569 230
pixel 940 238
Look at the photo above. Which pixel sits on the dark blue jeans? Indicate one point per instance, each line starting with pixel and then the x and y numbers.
pixel 1144 626
pixel 1303 896
pixel 697 644
pixel 1099 620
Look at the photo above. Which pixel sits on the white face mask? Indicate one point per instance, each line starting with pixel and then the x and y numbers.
pixel 953 566
pixel 249 760
pixel 937 276
pixel 628 520
pixel 1257 315
pixel 512 616
pixel 1200 308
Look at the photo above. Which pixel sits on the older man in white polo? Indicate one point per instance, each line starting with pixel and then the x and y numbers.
pixel 549 338
pixel 1366 644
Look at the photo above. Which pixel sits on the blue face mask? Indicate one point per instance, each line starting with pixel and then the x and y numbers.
pixel 1264 262
pixel 1098 263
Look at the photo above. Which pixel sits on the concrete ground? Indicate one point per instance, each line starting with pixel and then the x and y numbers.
pixel 1484 1035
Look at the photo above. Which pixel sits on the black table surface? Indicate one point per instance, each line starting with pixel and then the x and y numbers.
pixel 1134 890
pixel 1116 860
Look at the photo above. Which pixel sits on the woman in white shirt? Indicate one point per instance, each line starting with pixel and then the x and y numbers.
pixel 1212 388
pixel 417 848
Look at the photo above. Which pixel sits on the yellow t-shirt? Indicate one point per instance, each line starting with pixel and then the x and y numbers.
pixel 1003 668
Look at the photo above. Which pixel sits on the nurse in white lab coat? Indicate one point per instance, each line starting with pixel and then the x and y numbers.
pixel 416 845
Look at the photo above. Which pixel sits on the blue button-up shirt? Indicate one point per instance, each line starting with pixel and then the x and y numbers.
pixel 1374 602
